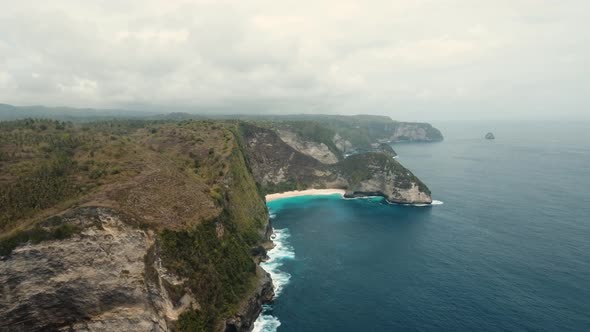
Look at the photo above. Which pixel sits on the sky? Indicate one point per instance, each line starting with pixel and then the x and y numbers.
pixel 412 60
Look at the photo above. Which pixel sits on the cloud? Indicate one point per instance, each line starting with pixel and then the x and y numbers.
pixel 412 59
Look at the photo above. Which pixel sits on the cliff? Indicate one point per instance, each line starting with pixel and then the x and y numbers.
pixel 377 174
pixel 279 167
pixel 91 280
pixel 129 226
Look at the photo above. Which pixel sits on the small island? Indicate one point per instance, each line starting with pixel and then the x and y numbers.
pixel 490 136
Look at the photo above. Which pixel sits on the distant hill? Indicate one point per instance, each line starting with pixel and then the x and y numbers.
pixel 177 116
pixel 10 112
pixel 361 132
pixel 356 131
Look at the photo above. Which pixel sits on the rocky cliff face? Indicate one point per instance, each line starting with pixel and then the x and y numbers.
pixel 279 167
pixel 108 276
pixel 94 280
pixel 377 174
pixel 342 144
pixel 319 151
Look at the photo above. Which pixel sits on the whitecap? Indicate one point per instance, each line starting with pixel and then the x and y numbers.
pixel 361 197
pixel 282 251
pixel 266 323
pixel 434 202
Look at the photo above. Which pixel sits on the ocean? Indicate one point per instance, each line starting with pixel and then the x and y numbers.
pixel 508 250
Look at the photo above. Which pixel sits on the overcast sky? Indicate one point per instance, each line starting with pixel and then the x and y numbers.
pixel 411 59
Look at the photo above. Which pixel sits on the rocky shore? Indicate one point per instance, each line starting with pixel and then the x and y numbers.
pixel 252 307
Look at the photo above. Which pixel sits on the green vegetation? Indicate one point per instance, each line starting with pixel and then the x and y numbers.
pixel 360 130
pixel 215 255
pixel 45 186
pixel 220 270
pixel 405 178
pixel 387 149
pixel 361 167
pixel 36 234
pixel 288 185
pixel 45 163
pixel 355 167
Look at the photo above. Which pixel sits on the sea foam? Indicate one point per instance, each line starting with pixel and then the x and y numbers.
pixel 282 251
pixel 434 202
pixel 265 322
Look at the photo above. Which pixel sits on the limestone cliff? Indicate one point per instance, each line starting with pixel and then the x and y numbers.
pixel 319 151
pixel 377 174
pixel 279 167
pixel 93 280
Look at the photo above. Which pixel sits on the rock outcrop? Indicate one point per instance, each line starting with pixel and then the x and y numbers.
pixel 94 280
pixel 106 277
pixel 377 174
pixel 414 132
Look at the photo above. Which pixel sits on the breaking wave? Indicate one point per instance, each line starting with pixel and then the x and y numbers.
pixel 266 322
pixel 282 251
pixel 434 202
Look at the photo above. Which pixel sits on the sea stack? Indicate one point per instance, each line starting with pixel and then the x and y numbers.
pixel 490 136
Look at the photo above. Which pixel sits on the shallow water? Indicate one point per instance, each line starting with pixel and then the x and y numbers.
pixel 508 250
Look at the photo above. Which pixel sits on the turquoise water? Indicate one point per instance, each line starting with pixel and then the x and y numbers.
pixel 508 250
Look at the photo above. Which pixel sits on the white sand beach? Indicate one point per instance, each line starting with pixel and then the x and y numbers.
pixel 308 192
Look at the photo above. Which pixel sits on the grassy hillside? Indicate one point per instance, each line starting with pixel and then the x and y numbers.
pixel 186 181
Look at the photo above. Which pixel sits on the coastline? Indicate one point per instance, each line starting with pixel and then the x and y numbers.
pixel 307 192
pixel 280 250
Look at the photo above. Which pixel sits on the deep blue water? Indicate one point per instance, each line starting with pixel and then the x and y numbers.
pixel 508 250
